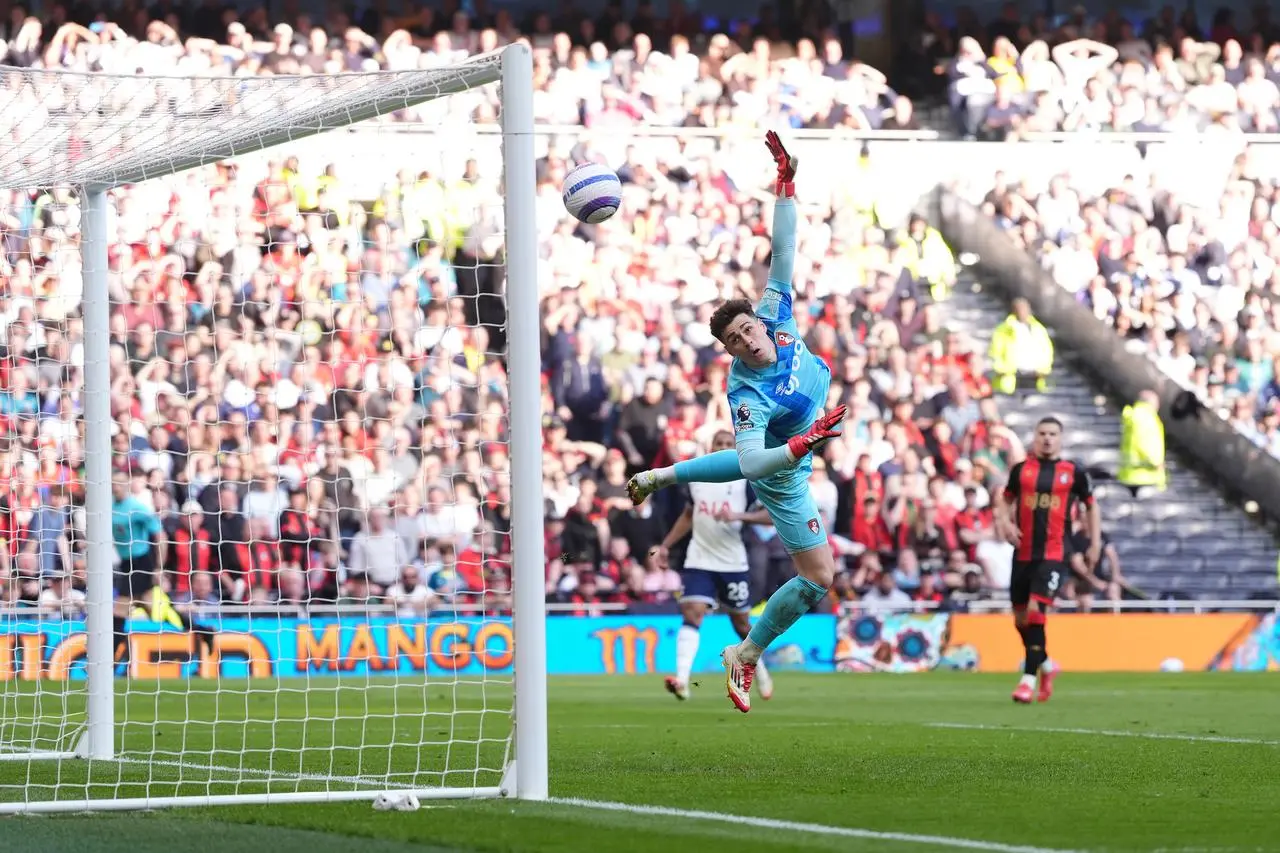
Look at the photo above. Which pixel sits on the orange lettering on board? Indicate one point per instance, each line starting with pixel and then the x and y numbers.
pixel 362 649
pixel 65 656
pixel 32 656
pixel 414 648
pixel 629 638
pixel 449 647
pixel 158 656
pixel 322 653
pixel 246 646
pixel 500 657
pixel 6 657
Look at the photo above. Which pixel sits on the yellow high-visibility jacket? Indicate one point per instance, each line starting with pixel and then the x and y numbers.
pixel 1142 447
pixel 930 260
pixel 162 610
pixel 1031 348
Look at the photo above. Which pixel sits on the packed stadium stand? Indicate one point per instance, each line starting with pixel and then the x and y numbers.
pixel 1184 542
pixel 624 388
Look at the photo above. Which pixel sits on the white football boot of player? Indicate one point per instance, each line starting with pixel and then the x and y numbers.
pixel 677 688
pixel 738 675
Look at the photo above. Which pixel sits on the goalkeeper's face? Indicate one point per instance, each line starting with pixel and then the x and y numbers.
pixel 745 339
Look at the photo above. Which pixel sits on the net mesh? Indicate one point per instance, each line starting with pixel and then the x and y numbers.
pixel 308 429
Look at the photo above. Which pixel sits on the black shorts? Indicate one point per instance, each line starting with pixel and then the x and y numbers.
pixel 136 575
pixel 1037 579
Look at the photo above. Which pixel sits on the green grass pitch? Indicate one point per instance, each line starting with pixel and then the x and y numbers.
pixel 1186 763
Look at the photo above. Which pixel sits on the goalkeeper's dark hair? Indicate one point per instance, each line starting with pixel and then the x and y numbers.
pixel 726 314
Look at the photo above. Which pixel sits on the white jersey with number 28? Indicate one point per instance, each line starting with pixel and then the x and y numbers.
pixel 716 545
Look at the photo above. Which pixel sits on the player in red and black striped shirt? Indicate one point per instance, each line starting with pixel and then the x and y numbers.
pixel 1034 515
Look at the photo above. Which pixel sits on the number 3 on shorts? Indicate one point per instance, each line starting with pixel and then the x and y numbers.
pixel 1054 580
pixel 736 592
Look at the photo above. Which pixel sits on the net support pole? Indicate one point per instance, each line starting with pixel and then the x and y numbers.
pixel 97 415
pixel 524 373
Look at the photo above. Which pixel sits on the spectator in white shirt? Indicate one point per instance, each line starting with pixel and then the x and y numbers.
pixel 378 552
pixel 410 595
pixel 62 599
pixel 456 521
pixel 265 501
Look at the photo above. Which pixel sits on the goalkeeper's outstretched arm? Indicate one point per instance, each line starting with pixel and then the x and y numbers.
pixel 776 301
pixel 783 263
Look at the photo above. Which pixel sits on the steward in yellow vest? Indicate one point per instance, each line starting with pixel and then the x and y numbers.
pixel 1142 444
pixel 928 257
pixel 1020 346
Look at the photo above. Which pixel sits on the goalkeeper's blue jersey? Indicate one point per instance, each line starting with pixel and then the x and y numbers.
pixel 785 398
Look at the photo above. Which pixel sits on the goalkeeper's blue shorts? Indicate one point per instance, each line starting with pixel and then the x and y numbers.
pixel 790 503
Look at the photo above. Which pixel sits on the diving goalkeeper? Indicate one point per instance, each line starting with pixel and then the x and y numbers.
pixel 776 391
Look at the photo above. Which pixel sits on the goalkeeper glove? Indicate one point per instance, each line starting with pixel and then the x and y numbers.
pixel 783 187
pixel 822 431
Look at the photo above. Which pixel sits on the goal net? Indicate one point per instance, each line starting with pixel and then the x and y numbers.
pixel 270 491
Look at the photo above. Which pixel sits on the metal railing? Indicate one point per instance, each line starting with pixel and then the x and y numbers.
pixel 329 609
pixel 562 610
pixel 991 605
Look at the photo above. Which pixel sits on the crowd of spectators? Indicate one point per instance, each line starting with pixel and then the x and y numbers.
pixel 307 397
pixel 1014 75
pixel 306 391
pixel 610 70
pixel 1196 287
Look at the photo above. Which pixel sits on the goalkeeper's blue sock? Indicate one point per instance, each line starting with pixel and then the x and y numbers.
pixel 793 599
pixel 719 467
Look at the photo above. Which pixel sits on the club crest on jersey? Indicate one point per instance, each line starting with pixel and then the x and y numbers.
pixel 784 339
pixel 814 526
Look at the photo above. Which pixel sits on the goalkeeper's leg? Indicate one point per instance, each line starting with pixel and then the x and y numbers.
pixel 718 467
pixel 795 516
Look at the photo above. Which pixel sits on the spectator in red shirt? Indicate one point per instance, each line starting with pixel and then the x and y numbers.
pixel 586 599
pixel 973 524
pixel 870 530
pixel 191 551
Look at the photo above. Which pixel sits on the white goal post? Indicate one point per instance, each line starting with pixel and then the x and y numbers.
pixel 362 732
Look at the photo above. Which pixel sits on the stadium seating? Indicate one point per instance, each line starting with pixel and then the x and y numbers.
pixel 606 87
pixel 1187 541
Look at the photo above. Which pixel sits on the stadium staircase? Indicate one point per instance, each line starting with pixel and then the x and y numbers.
pixel 1188 542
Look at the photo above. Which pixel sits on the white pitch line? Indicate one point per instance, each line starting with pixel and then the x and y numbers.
pixel 710 723
pixel 810 828
pixel 1105 733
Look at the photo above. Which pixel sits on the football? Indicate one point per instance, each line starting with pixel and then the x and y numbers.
pixel 592 192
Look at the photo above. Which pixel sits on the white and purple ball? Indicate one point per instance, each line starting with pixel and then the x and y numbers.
pixel 592 193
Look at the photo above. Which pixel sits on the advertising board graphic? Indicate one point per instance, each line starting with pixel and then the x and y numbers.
pixel 279 647
pixel 286 647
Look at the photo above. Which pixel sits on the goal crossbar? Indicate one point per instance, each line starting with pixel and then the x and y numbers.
pixel 248 116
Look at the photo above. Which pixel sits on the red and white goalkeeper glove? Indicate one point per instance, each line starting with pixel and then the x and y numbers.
pixel 822 431
pixel 783 187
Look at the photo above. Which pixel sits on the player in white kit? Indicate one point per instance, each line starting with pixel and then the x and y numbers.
pixel 715 566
